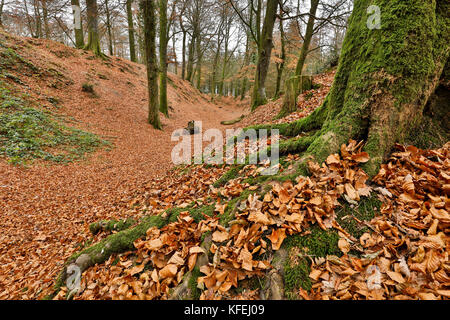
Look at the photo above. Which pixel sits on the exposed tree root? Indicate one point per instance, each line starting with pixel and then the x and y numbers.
pixel 100 252
pixel 184 289
pixel 274 289
pixel 110 225
pixel 312 122
pixel 230 122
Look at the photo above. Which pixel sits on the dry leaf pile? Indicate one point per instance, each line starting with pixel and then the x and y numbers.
pixel 240 251
pixel 182 186
pixel 406 257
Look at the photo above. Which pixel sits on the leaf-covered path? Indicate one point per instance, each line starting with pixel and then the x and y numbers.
pixel 45 207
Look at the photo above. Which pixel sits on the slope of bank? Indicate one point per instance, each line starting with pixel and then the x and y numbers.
pixel 44 206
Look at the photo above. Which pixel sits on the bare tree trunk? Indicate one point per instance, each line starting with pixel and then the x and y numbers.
pixel 247 53
pixel 296 84
pixel 183 51
pixel 174 53
pixel 214 70
pixel 280 66
pixel 2 4
pixel 108 28
pixel 93 35
pixel 264 51
pixel 199 63
pixel 163 57
pixel 148 8
pixel 29 22
pixel 131 30
pixel 37 17
pixel 190 62
pixel 45 19
pixel 225 56
pixel 78 24
pixel 308 36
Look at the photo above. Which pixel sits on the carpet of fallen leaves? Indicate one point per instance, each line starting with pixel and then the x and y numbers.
pixel 405 257
pixel 45 209
pixel 307 102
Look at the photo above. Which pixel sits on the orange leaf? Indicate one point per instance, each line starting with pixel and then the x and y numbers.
pixel 277 237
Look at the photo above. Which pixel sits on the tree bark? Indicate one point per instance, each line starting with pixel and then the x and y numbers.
pixel 295 85
pixel 280 66
pixel 2 4
pixel 292 87
pixel 307 39
pixel 264 51
pixel 148 8
pixel 108 28
pixel 198 65
pixel 131 30
pixel 79 37
pixel 190 62
pixel 163 57
pixel 45 19
pixel 37 16
pixel 93 35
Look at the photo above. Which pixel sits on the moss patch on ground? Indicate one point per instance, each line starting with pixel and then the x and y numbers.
pixel 366 210
pixel 27 131
pixel 319 243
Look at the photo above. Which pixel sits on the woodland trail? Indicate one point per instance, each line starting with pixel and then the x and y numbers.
pixel 44 206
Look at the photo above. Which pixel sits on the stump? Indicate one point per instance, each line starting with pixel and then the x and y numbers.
pixel 293 87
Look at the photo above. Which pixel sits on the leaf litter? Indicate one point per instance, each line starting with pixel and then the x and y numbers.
pixel 405 257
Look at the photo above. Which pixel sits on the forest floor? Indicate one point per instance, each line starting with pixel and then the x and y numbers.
pixel 44 206
pixel 344 236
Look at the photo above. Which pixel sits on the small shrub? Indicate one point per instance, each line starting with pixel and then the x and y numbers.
pixel 87 87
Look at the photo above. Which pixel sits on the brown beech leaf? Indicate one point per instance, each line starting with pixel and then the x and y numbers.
pixel 361 157
pixel 396 276
pixel 344 245
pixel 168 271
pixel 192 260
pixel 245 258
pixel 277 237
pixel 220 236
pixel 137 269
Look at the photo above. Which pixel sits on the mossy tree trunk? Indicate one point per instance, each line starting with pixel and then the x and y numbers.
pixel 383 82
pixel 163 57
pixel 93 35
pixel 148 8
